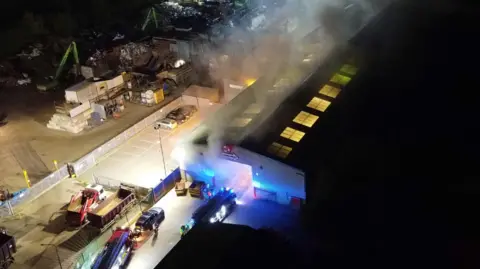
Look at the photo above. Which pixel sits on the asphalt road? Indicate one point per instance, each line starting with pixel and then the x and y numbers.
pixel 178 211
pixel 138 161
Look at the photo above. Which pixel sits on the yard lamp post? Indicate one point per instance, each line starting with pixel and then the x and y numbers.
pixel 56 250
pixel 163 155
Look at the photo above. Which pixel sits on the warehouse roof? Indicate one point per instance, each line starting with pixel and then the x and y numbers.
pixel 277 123
pixel 286 133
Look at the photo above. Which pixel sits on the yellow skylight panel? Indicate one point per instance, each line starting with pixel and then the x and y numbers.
pixel 330 91
pixel 318 104
pixel 240 122
pixel 292 134
pixel 349 69
pixel 253 109
pixel 279 150
pixel 305 119
pixel 340 79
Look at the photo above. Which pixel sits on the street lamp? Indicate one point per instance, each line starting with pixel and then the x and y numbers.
pixel 56 250
pixel 163 155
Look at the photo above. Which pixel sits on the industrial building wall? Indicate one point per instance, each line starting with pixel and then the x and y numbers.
pixel 268 175
pixel 273 176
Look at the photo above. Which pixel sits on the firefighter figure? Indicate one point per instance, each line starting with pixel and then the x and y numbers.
pixel 182 230
pixel 71 171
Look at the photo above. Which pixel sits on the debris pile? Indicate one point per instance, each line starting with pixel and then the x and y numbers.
pixel 95 58
pixel 32 52
pixel 132 51
pixel 8 75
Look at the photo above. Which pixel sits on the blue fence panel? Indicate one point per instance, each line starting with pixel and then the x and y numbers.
pixel 166 185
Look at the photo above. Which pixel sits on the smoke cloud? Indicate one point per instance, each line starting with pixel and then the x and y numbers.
pixel 272 41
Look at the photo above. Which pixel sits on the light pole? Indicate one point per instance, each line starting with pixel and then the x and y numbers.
pixel 161 151
pixel 56 250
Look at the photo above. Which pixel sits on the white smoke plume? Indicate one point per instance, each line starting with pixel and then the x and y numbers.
pixel 265 45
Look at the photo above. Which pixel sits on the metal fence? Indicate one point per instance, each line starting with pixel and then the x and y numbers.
pixel 35 191
pixel 87 161
pixel 166 185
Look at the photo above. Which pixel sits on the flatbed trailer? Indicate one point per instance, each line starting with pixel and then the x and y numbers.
pixel 105 214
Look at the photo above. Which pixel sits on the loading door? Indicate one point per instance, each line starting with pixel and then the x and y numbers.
pixel 264 194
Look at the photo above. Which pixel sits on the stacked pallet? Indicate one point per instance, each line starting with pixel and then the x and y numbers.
pixel 64 122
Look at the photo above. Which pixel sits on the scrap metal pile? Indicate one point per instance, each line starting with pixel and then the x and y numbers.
pixel 129 52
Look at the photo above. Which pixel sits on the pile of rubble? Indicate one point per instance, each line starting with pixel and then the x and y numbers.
pixel 131 51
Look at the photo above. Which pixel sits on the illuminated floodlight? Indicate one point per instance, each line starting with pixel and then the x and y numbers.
pixel 179 63
pixel 249 82
pixel 179 154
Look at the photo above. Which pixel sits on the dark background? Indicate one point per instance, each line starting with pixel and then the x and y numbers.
pixel 399 186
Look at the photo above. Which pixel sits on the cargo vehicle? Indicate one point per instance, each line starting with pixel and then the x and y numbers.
pixel 214 210
pixel 83 202
pixel 167 124
pixel 7 249
pixel 117 251
pixel 104 215
pixel 149 221
pixel 200 190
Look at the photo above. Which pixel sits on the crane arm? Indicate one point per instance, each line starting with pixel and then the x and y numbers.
pixel 63 61
pixel 72 48
pixel 147 19
pixel 75 52
pixel 154 16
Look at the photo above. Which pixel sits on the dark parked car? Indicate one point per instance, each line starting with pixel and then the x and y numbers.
pixel 182 114
pixel 149 221
pixel 176 116
pixel 188 110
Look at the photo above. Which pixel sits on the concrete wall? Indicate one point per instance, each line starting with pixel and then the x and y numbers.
pixel 198 102
pixel 231 89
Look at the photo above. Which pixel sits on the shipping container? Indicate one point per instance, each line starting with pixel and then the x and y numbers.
pixel 102 87
pixel 81 92
pixel 79 109
pixel 115 82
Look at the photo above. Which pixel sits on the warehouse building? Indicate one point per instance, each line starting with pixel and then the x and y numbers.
pixel 258 143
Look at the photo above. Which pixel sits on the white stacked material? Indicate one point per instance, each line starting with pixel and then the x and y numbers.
pixel 63 122
pixel 81 92
pixel 115 82
pixel 149 97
